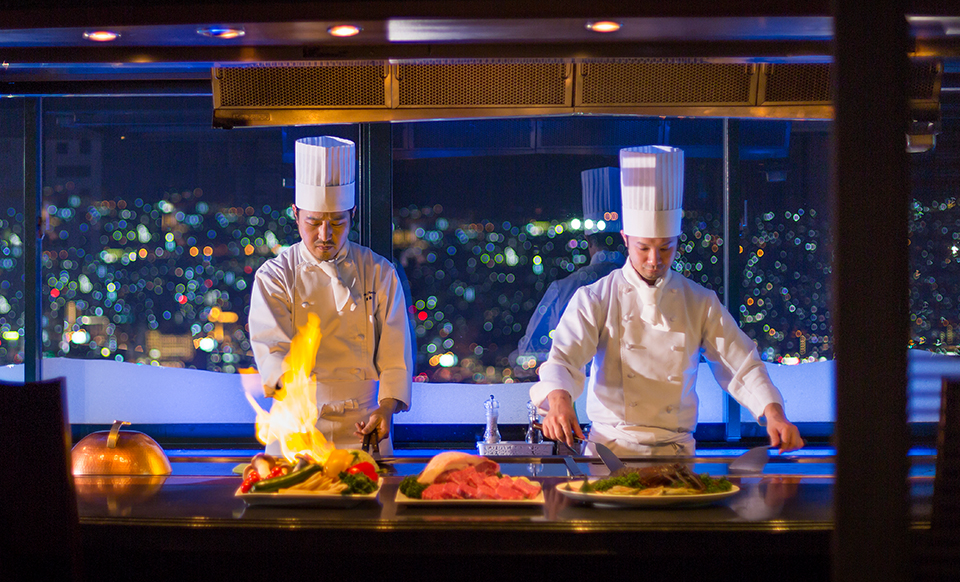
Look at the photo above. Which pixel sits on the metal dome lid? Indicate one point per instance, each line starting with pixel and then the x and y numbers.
pixel 116 452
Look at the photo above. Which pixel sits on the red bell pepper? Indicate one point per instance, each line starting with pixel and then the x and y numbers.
pixel 365 468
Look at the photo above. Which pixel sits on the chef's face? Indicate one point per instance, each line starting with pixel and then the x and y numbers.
pixel 323 233
pixel 651 257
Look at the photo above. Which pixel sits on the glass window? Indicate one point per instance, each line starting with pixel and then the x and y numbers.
pixel 934 231
pixel 786 249
pixel 12 236
pixel 482 238
pixel 487 217
pixel 157 224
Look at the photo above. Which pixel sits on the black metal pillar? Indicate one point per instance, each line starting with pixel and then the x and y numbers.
pixel 870 322
pixel 375 200
pixel 733 220
pixel 32 245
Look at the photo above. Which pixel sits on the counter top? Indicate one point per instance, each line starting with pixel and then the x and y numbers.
pixel 778 518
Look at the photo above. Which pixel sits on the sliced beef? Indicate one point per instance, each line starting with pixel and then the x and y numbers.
pixel 469 492
pixel 487 467
pixel 506 491
pixel 451 491
pixel 528 488
pixel 487 491
pixel 434 492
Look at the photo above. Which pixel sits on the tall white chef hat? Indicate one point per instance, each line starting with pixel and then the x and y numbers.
pixel 652 183
pixel 601 200
pixel 325 167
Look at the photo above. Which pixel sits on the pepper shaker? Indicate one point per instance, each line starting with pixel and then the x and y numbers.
pixel 533 434
pixel 492 434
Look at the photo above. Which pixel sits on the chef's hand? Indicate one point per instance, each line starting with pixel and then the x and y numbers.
pixel 380 420
pixel 560 423
pixel 783 433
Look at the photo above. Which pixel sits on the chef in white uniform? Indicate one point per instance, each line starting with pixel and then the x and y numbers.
pixel 643 329
pixel 362 365
pixel 601 219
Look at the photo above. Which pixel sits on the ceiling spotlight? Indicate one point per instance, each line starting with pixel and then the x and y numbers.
pixel 221 32
pixel 343 30
pixel 101 35
pixel 603 26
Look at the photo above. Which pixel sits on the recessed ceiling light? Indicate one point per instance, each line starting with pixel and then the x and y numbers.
pixel 101 35
pixel 603 26
pixel 344 30
pixel 221 32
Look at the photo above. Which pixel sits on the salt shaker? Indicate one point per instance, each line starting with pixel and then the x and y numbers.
pixel 492 434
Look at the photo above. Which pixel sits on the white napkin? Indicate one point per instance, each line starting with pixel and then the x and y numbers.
pixel 650 301
pixel 341 294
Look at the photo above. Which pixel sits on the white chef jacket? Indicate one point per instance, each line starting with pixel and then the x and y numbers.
pixel 536 342
pixel 363 353
pixel 643 375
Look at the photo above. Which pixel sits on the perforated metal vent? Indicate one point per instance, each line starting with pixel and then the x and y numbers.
pixel 924 80
pixel 811 83
pixel 306 85
pixel 797 83
pixel 482 84
pixel 654 82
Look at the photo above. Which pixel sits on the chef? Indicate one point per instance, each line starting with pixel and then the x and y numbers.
pixel 601 213
pixel 643 329
pixel 362 368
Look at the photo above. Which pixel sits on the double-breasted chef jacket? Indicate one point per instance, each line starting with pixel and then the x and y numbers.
pixel 537 341
pixel 641 393
pixel 363 352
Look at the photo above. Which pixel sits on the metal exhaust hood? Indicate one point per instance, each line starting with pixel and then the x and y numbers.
pixel 321 92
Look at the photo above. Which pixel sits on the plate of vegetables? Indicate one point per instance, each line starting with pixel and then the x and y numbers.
pixel 658 486
pixel 347 478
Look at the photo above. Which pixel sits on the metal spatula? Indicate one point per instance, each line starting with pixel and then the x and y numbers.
pixel 752 461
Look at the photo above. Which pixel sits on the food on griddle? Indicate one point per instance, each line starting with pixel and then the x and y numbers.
pixel 675 479
pixel 454 475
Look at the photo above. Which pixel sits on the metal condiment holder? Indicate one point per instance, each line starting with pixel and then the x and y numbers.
pixel 515 449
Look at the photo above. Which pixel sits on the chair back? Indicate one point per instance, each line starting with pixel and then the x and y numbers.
pixel 38 503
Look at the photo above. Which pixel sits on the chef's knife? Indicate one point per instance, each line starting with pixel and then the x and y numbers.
pixel 609 459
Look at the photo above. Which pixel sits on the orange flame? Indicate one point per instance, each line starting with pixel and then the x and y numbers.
pixel 293 415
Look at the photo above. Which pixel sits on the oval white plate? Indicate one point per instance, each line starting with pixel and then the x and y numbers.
pixel 605 499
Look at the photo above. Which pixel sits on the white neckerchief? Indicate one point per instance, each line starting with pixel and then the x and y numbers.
pixel 649 295
pixel 342 295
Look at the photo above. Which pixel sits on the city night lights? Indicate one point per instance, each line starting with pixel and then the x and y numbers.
pixel 168 283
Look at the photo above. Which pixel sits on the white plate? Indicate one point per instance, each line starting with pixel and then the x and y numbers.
pixel 307 498
pixel 402 499
pixel 606 499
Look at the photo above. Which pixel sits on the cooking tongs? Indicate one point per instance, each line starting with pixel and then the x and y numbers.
pixel 371 444
pixel 562 447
